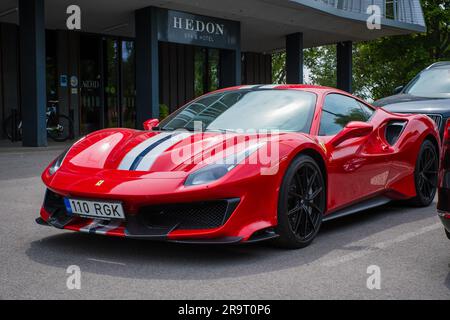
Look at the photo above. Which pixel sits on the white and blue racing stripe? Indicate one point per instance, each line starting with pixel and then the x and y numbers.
pixel 147 160
pixel 131 156
pixel 143 155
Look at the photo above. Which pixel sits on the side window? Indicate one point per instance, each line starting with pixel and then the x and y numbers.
pixel 338 110
pixel 368 110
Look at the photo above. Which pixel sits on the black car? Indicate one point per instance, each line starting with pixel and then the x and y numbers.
pixel 428 93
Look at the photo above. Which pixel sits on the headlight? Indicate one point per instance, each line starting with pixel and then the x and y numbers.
pixel 218 170
pixel 57 163
pixel 207 174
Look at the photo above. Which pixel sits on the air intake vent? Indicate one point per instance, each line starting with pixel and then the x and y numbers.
pixel 199 215
pixel 436 118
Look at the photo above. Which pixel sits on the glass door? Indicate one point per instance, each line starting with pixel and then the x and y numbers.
pixel 120 92
pixel 128 83
pixel 112 76
pixel 90 84
pixel 206 70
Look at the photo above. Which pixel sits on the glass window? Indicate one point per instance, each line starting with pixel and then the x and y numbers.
pixel 111 83
pixel 90 80
pixel 284 110
pixel 432 83
pixel 199 71
pixel 366 109
pixel 213 69
pixel 338 110
pixel 206 70
pixel 128 83
pixel 51 67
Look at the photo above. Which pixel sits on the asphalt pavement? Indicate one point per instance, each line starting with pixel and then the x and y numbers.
pixel 406 245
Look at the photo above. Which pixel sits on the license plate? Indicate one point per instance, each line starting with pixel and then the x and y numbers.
pixel 95 209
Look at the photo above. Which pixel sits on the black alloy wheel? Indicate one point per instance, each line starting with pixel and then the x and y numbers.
pixel 302 203
pixel 426 174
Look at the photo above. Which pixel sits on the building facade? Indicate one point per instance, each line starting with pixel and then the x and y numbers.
pixel 132 60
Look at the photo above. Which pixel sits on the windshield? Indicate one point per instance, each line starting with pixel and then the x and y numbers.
pixel 433 83
pixel 284 110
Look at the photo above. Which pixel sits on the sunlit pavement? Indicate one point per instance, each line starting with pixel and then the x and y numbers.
pixel 408 245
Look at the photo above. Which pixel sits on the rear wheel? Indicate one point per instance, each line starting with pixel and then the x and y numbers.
pixel 426 175
pixel 301 203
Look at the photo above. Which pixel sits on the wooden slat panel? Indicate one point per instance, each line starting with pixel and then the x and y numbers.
pixel 258 68
pixel 164 73
pixel 262 68
pixel 268 68
pixel 2 111
pixel 10 50
pixel 255 69
pixel 181 90
pixel 249 68
pixel 173 76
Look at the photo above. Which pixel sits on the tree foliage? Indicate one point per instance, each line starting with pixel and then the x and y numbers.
pixel 383 64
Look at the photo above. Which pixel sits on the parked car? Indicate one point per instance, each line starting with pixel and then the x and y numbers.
pixel 331 154
pixel 428 93
pixel 443 205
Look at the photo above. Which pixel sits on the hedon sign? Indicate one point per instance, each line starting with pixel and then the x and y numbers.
pixel 186 28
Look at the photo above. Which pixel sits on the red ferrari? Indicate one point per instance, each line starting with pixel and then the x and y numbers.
pixel 243 164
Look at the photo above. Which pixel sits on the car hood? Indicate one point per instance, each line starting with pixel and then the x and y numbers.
pixel 400 98
pixel 426 106
pixel 168 152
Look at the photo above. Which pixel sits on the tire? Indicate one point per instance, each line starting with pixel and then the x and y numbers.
pixel 301 203
pixel 8 130
pixel 426 175
pixel 8 127
pixel 447 234
pixel 62 130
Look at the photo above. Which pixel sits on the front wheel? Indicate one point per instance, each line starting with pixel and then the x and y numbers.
pixel 426 175
pixel 301 204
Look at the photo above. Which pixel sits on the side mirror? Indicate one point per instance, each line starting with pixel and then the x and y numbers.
pixel 398 89
pixel 150 124
pixel 353 129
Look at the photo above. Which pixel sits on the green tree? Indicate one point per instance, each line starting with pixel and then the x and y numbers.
pixel 279 67
pixel 383 64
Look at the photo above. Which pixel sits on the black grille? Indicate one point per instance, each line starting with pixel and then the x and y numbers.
pixel 436 118
pixel 198 215
pixel 54 205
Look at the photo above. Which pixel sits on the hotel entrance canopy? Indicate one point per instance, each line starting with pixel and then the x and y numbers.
pixel 236 36
pixel 264 23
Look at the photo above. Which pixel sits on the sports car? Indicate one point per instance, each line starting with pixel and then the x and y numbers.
pixel 243 164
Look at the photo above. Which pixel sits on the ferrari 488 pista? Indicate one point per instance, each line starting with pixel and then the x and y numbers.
pixel 243 164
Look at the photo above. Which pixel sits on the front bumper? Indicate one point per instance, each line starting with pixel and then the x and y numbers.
pixel 150 223
pixel 252 218
pixel 250 214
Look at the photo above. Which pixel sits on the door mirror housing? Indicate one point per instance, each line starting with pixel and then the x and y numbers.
pixel 150 124
pixel 353 129
pixel 398 89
